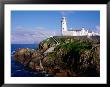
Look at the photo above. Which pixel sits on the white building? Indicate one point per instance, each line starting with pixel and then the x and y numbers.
pixel 81 32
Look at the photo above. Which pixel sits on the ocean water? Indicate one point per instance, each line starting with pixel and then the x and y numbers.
pixel 18 70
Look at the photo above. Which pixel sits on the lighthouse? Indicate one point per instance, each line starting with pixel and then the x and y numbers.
pixel 74 32
pixel 63 24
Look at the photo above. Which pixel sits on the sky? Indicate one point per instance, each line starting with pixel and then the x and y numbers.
pixel 28 27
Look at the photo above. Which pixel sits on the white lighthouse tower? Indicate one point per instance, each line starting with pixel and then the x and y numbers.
pixel 63 25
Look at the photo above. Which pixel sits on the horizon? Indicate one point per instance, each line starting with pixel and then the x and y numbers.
pixel 28 27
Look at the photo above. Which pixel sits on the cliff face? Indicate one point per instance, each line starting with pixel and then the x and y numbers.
pixel 64 56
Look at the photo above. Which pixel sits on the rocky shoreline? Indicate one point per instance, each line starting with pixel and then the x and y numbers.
pixel 73 56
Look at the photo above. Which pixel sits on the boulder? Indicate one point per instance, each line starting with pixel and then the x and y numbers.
pixel 23 55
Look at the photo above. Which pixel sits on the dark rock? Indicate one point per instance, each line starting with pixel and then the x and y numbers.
pixel 73 56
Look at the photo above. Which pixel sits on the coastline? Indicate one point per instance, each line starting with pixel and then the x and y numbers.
pixel 44 60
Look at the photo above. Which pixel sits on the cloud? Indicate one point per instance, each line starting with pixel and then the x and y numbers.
pixel 30 36
pixel 19 27
pixel 98 29
pixel 66 13
pixel 63 13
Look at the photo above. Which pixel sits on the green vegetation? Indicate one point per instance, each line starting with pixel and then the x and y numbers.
pixel 78 56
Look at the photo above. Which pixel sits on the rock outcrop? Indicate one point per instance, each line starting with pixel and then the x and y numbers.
pixel 73 56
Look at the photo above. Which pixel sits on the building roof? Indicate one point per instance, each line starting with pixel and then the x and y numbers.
pixel 75 30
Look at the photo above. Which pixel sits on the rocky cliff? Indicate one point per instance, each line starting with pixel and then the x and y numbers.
pixel 63 56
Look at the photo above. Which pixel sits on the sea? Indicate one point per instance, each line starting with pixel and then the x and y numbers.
pixel 18 70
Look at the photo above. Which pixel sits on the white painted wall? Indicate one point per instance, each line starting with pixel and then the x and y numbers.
pixel 82 32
